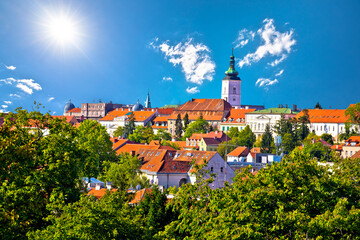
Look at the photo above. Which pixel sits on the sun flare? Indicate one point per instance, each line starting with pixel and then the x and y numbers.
pixel 62 30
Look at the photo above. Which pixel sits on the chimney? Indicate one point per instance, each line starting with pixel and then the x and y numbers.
pixel 286 105
pixel 97 187
pixel 132 153
pixel 108 185
pixel 294 107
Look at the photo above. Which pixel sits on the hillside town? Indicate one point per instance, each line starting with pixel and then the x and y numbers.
pixel 167 152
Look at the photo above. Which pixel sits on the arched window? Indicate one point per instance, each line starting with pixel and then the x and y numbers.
pixel 234 90
pixel 234 99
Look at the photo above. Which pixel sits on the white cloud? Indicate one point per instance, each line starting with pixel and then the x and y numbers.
pixel 24 88
pixel 265 82
pixel 7 102
pixel 53 113
pixel 192 90
pixel 167 79
pixel 8 80
pixel 27 85
pixel 14 95
pixel 31 83
pixel 275 43
pixel 279 73
pixel 243 38
pixel 277 61
pixel 50 99
pixel 12 68
pixel 3 111
pixel 4 106
pixel 192 57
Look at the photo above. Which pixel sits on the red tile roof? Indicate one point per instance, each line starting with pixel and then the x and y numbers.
pixel 356 155
pixel 336 147
pixel 113 114
pixel 161 119
pixel 237 115
pixel 325 115
pixel 100 193
pixel 210 109
pixel 134 148
pixel 119 143
pixel 139 195
pixel 239 151
pixel 165 111
pixel 75 110
pixel 216 134
pixel 256 150
pixel 351 139
pixel 141 116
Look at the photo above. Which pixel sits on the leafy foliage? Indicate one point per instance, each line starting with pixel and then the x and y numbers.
pixel 267 140
pixel 142 134
pixel 178 127
pixel 129 125
pixel 119 132
pixel 199 126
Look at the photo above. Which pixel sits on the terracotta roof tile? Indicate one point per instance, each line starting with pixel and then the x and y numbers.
pixel 113 114
pixel 325 115
pixel 134 148
pixel 119 143
pixel 99 193
pixel 236 114
pixel 161 119
pixel 356 155
pixel 141 116
pixel 239 151
pixel 75 110
pixel 139 195
pixel 255 150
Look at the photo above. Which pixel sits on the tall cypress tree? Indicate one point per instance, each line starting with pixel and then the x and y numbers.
pixel 266 140
pixel 186 121
pixel 178 127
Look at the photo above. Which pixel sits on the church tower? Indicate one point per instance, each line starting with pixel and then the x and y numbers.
pixel 148 102
pixel 231 85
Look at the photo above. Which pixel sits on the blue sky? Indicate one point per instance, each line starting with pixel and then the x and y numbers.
pixel 287 52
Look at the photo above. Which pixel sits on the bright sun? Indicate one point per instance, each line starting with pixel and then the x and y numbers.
pixel 63 31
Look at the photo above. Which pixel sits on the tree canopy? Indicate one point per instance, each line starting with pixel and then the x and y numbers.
pixel 199 126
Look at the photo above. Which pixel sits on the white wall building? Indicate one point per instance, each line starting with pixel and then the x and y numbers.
pixel 231 85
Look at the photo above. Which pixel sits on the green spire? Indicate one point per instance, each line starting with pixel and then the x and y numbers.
pixel 232 70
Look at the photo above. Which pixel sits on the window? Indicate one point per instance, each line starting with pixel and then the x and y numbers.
pixel 234 91
pixel 234 99
pixel 212 169
pixel 221 169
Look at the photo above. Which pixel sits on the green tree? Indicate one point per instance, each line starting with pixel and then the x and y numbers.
pixel 142 134
pixel 294 199
pixel 348 133
pixel 267 140
pixel 303 129
pixel 119 132
pixel 233 132
pixel 328 138
pixel 153 209
pixel 317 106
pixel 287 142
pixel 353 114
pixel 178 127
pixel 129 125
pixel 110 218
pixel 162 135
pixel 123 173
pixel 186 121
pixel 94 142
pixel 246 137
pixel 35 170
pixel 199 126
